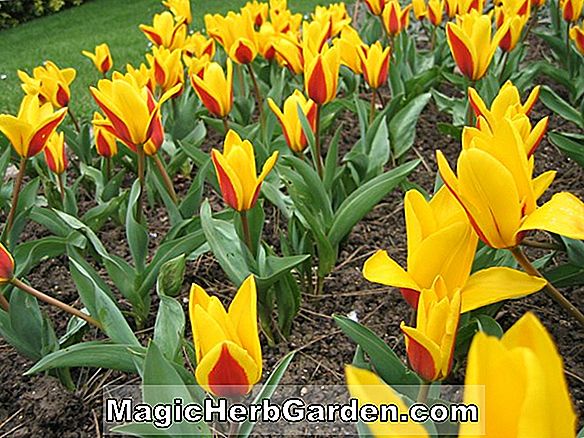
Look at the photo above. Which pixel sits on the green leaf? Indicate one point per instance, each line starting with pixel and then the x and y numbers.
pixel 136 232
pixel 27 321
pixel 171 276
pixel 275 267
pixel 560 106
pixel 570 144
pixel 402 127
pixel 362 200
pixel 169 327
pixel 96 354
pixel 386 363
pixel 29 254
pixel 565 275
pixel 380 150
pixel 489 326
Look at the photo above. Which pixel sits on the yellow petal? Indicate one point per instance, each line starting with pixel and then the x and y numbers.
pixel 380 268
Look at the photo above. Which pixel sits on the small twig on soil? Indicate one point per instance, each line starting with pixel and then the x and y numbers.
pixel 574 375
pixel 350 258
pixel 320 364
pixel 312 312
pixel 97 431
pixel 5 422
pixel 14 429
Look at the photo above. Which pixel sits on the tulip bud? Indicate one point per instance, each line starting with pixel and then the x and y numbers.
pixel 395 19
pixel 168 69
pixel 181 9
pixel 105 141
pixel 577 35
pixel 6 265
pixel 50 82
pixel 321 75
pixel 215 88
pixel 419 8
pixel 165 31
pixel 572 10
pixel 55 154
pixel 376 6
pixel 374 64
pixel 102 58
pixel 290 122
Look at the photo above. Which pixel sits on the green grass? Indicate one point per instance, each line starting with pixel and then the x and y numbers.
pixel 61 38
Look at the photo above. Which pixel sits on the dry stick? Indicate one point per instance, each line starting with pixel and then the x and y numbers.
pixel 15 193
pixel 74 120
pixel 54 302
pixel 165 178
pixel 541 245
pixel 318 158
pixel 256 90
pixel 555 294
pixel 140 153
pixel 356 11
pixel 246 233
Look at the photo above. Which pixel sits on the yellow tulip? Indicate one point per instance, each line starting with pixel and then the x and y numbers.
pixel 451 7
pixel 215 88
pixel 181 9
pixel 577 35
pixel 165 31
pixel 236 172
pixel 258 12
pixel 55 154
pixel 496 189
pixel 133 115
pixel 333 16
pixel 349 43
pixel 282 19
pixel 50 82
pixel 419 8
pixel 368 388
pixel 395 19
pixel 30 130
pixel 514 32
pixel 197 45
pixel 167 68
pixel 321 74
pixel 376 6
pixel 467 6
pixel 523 379
pixel 102 58
pixel 236 33
pixel 143 76
pixel 290 122
pixel 509 8
pixel 471 44
pixel 196 66
pixel 441 243
pixel 374 64
pixel 572 10
pixel 267 37
pixel 227 344
pixel 435 11
pixel 105 141
pixel 289 54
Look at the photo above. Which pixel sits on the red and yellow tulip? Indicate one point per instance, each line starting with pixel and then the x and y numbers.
pixel 334 17
pixel 516 23
pixel 394 18
pixel 289 53
pixel 50 83
pixel 471 44
pixel 215 88
pixel 435 12
pixel 167 68
pixel 236 172
pixel 165 31
pixel 6 265
pixel 102 58
pixel 105 141
pixel 321 74
pixel 290 122
pixel 572 10
pixel 181 9
pixel 523 376
pixel 258 12
pixel 55 153
pixel 236 33
pixel 577 35
pixel 374 64
pixel 143 76
pixel 349 43
pixel 419 9
pixel 227 344
pixel 376 6
pixel 198 45
pixel 30 129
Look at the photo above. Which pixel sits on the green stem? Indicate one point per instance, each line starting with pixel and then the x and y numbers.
pixel 4 303
pixel 423 393
pixel 246 233
pixel 318 158
pixel 15 193
pixel 165 178
pixel 108 168
pixel 225 124
pixel 258 94
pixel 74 120
pixel 504 60
pixel 61 183
pixel 372 107
pixel 141 159
pixel 552 292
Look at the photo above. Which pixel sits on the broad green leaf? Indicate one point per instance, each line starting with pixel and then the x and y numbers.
pixel 571 145
pixel 560 106
pixel 169 327
pixel 136 233
pixel 402 127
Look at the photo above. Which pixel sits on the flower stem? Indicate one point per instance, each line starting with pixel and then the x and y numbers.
pixel 61 185
pixel 318 158
pixel 552 292
pixel 54 302
pixel 108 168
pixel 423 393
pixel 372 107
pixel 504 60
pixel 246 233
pixel 225 124
pixel 256 90
pixel 140 153
pixel 15 193
pixel 165 178
pixel 74 120
pixel 4 303
pixel 541 245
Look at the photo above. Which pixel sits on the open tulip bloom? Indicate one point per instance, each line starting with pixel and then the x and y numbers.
pixel 102 58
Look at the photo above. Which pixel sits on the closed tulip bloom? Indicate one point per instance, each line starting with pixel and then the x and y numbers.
pixel 430 345
pixel 577 35
pixel 321 75
pixel 267 37
pixel 435 12
pixel 572 10
pixel 466 6
pixel 197 45
pixel 509 8
pixel 290 121
pixel 451 8
pixel 236 172
pixel 514 31
pixel 168 69
pixel 143 76
pixel 181 9
pixel 441 242
pixel 215 88
pixel 471 44
pixel 495 187
pixel 102 58
pixel 29 131
pixel 523 377
pixel 349 43
pixel 133 115
pixel 6 265
pixel 376 6
pixel 105 141
pixel 196 66
pixel 50 82
pixel 227 344
pixel 334 15
pixel 419 8
pixel 165 31
pixel 258 12
pixel 395 19
pixel 369 389
pixel 374 64
pixel 236 33
pixel 289 54
pixel 55 154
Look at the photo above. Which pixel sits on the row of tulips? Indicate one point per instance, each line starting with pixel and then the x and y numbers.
pixel 301 73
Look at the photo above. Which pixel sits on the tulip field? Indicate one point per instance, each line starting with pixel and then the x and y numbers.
pixel 216 201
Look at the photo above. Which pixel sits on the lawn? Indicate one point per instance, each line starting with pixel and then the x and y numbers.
pixel 61 38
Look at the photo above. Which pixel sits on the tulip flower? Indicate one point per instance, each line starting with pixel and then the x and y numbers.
pixel 196 66
pixel 577 35
pixel 435 11
pixel 369 389
pixel 267 37
pixel 290 122
pixel 282 19
pixel 349 43
pixel 394 18
pixel 572 10
pixel 333 16
pixel 6 265
pixel 376 6
pixel 55 154
pixel 495 187
pixel 514 31
pixel 466 6
pixel 236 34
pixel 509 8
pixel 181 9
pixel 441 243
pixel 471 44
pixel 105 141
pixel 143 76
pixel 102 58
pixel 321 74
pixel 165 31
pixel 451 8
pixel 374 64
pixel 314 37
pixel 227 344
pixel 289 54
pixel 236 172
pixel 430 345
pixel 523 377
pixel 50 82
pixel 419 8
pixel 198 45
pixel 215 88
pixel 168 69
pixel 258 12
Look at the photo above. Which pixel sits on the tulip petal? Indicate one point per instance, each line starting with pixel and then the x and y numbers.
pixel 423 353
pixel 6 264
pixel 459 46
pixel 207 332
pixel 40 137
pixel 380 268
pixel 16 131
pixel 563 214
pixel 542 182
pixel 228 181
pixel 492 285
